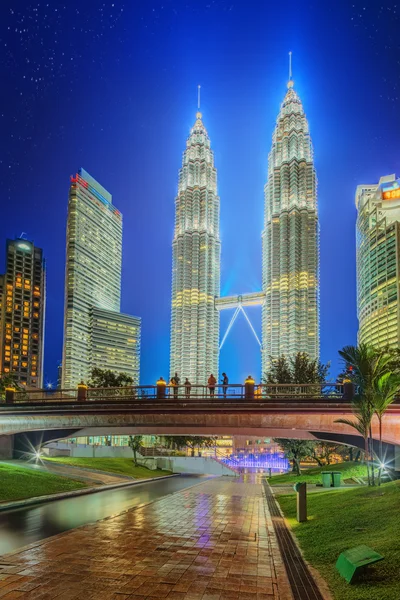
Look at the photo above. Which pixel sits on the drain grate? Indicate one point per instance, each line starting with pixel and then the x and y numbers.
pixel 300 579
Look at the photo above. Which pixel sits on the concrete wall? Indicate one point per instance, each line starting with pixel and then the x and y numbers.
pixel 6 446
pixel 177 464
pixel 87 451
pixel 196 465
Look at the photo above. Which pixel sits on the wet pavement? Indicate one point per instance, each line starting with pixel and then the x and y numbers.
pixel 213 541
pixel 26 525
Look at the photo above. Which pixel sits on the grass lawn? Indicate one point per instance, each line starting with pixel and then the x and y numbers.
pixel 123 466
pixel 17 483
pixel 342 520
pixel 348 470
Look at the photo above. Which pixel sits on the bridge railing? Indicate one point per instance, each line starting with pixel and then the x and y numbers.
pixel 172 393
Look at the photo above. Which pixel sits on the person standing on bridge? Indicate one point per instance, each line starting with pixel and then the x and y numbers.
pixel 188 385
pixel 225 382
pixel 175 382
pixel 211 385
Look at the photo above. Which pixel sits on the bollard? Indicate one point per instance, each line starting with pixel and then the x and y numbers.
pixel 249 388
pixel 161 388
pixel 269 472
pixel 10 392
pixel 301 489
pixel 82 392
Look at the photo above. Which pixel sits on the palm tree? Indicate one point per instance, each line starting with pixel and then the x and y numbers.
pixel 363 411
pixel 366 366
pixel 386 389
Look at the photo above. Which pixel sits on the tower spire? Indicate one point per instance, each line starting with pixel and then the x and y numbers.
pixel 198 114
pixel 290 82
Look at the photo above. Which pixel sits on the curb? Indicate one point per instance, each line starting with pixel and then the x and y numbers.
pixel 319 580
pixel 64 495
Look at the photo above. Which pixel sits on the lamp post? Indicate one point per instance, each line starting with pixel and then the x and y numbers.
pixel 82 392
pixel 161 388
pixel 249 388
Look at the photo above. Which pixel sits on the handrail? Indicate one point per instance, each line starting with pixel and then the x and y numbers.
pixel 169 392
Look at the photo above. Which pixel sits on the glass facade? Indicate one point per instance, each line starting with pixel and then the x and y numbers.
pixel 196 251
pixel 93 281
pixel 115 342
pixel 377 230
pixel 22 313
pixel 290 255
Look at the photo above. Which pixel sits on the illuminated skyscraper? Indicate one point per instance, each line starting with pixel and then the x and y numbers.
pixel 290 314
pixel 378 262
pixel 115 342
pixel 196 251
pixel 92 281
pixel 22 313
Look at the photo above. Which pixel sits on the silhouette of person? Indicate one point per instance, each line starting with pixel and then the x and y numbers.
pixel 211 385
pixel 225 382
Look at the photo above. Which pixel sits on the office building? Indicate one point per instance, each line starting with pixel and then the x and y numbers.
pixel 115 342
pixel 196 250
pixel 378 258
pixel 290 254
pixel 92 280
pixel 22 313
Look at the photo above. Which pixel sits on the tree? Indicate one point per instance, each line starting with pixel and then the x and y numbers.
pixel 323 451
pixel 189 441
pixel 296 450
pixel 365 366
pixel 135 443
pixel 386 389
pixel 299 368
pixel 8 381
pixel 103 378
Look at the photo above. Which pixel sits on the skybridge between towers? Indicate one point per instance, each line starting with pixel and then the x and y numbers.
pixel 238 302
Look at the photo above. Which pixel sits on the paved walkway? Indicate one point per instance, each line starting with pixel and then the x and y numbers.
pixel 214 541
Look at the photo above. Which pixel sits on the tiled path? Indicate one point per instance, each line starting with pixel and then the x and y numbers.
pixel 214 541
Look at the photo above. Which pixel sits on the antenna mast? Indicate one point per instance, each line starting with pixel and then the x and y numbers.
pixel 198 97
pixel 290 66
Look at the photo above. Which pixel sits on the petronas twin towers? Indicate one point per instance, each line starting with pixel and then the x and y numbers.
pixel 290 251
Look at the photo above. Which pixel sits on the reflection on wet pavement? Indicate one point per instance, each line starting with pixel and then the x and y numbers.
pixel 212 541
pixel 26 525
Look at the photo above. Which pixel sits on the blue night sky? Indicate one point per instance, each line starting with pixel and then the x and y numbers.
pixel 111 86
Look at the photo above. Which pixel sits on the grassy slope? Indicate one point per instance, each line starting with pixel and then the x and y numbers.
pixel 123 466
pixel 333 526
pixel 348 470
pixel 17 483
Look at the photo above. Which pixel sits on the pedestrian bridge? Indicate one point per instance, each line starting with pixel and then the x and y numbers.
pixel 292 411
